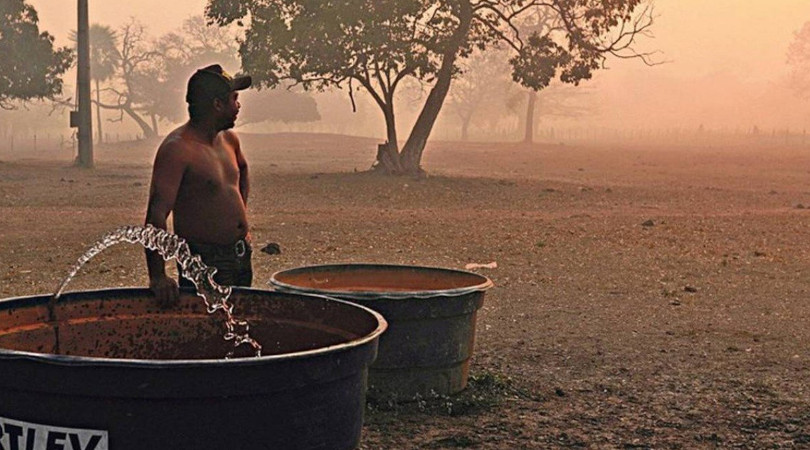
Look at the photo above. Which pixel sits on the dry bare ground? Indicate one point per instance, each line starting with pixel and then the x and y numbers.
pixel 645 297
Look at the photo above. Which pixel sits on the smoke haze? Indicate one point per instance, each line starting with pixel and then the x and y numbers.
pixel 724 65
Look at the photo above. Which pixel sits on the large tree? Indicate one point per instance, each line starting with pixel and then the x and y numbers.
pixel 799 61
pixel 481 89
pixel 377 43
pixel 195 45
pixel 152 75
pixel 556 100
pixel 30 67
pixel 104 59
pixel 133 85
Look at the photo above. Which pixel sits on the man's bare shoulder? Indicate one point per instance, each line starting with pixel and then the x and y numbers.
pixel 230 137
pixel 176 145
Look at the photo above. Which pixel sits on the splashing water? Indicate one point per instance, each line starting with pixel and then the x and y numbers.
pixel 171 246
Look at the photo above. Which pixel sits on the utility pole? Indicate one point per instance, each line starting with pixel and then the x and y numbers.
pixel 85 122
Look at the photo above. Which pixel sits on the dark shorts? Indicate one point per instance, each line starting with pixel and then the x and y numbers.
pixel 231 261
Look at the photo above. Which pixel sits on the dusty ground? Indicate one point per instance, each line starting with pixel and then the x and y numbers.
pixel 645 297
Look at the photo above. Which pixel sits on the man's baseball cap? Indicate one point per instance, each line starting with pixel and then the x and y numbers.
pixel 211 82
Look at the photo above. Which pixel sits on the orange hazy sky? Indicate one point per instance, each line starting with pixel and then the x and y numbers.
pixel 748 37
pixel 744 41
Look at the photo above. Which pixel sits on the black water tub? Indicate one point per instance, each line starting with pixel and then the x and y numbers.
pixel 431 314
pixel 113 371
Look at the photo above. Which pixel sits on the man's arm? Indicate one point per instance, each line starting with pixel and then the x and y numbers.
pixel 244 182
pixel 167 174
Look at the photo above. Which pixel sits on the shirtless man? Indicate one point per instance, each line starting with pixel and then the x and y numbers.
pixel 200 176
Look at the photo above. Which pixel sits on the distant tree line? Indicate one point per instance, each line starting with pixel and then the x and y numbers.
pixel 468 54
pixel 144 79
pixel 138 77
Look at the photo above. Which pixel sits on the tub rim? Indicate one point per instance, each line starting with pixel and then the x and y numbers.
pixel 370 295
pixel 73 360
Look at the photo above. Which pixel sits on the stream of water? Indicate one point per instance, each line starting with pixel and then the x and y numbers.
pixel 171 246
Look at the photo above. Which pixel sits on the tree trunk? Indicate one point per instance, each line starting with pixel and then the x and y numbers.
pixel 388 153
pixel 390 125
pixel 148 132
pixel 528 136
pixel 98 113
pixel 155 125
pixel 465 127
pixel 411 156
pixel 387 159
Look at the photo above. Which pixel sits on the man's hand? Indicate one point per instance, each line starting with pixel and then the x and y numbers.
pixel 166 291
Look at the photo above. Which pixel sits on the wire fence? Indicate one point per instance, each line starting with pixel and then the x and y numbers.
pixel 67 142
pixel 676 136
pixel 33 142
pixel 643 136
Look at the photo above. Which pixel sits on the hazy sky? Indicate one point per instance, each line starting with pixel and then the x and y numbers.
pixel 59 16
pixel 748 37
pixel 741 42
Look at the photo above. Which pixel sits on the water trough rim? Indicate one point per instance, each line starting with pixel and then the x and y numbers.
pixel 369 295
pixel 72 360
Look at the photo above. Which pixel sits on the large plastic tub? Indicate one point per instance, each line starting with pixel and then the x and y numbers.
pixel 431 314
pixel 132 376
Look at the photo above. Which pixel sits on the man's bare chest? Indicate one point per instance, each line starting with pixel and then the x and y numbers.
pixel 211 171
